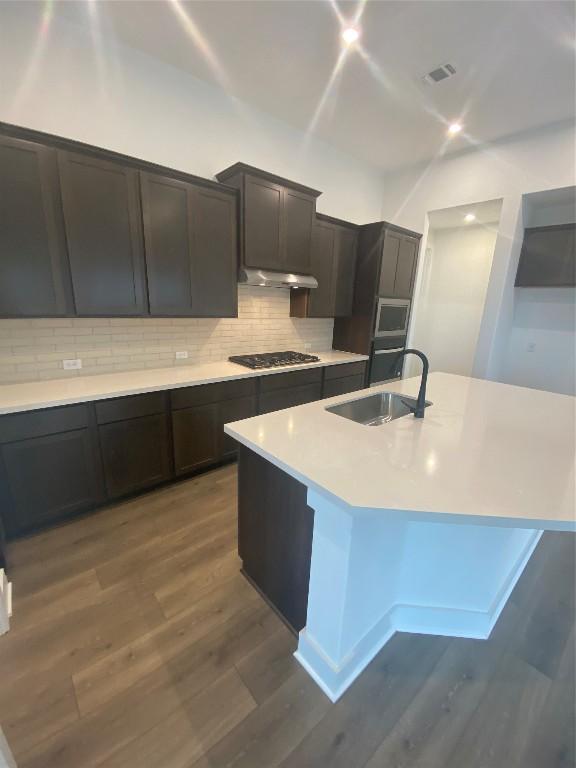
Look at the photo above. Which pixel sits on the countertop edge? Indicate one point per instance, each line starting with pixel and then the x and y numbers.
pixel 71 399
pixel 358 506
pixel 422 516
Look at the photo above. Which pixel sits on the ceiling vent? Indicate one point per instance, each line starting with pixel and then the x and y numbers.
pixel 440 73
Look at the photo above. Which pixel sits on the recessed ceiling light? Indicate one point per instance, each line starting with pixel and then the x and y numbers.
pixel 470 217
pixel 454 128
pixel 350 35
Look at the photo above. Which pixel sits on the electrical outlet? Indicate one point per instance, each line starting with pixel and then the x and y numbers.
pixel 307 346
pixel 531 346
pixel 183 355
pixel 72 365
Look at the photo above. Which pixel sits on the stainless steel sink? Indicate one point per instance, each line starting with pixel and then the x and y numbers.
pixel 374 410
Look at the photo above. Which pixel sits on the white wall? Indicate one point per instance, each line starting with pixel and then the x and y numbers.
pixel 541 349
pixel 128 102
pixel 455 273
pixel 530 162
pixel 541 346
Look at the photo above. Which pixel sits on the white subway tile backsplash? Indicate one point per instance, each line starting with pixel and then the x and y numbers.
pixel 34 349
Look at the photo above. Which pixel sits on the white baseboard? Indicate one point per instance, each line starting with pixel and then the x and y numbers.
pixel 5 602
pixel 335 677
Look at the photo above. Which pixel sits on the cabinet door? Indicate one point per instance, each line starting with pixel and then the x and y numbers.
pixel 166 213
pixel 233 410
pixel 103 230
pixel 390 252
pixel 135 454
pixel 196 437
pixel 548 257
pixel 34 277
pixel 405 268
pixel 50 477
pixel 262 223
pixel 298 215
pixel 215 262
pixel 321 301
pixel 344 272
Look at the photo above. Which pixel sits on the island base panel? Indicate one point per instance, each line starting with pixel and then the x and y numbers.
pixel 372 575
pixel 275 536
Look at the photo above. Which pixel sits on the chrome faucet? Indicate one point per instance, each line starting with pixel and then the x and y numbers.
pixel 420 407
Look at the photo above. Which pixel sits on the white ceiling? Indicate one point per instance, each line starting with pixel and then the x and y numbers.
pixel 487 212
pixel 514 61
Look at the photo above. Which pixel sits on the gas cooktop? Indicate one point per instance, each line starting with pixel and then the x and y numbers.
pixel 273 359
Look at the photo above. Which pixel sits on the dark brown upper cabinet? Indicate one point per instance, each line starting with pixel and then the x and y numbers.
pixel 548 257
pixel 333 262
pixel 399 256
pixel 298 219
pixel 191 248
pixel 34 278
pixel 276 219
pixel 261 223
pixel 104 234
pixel 216 252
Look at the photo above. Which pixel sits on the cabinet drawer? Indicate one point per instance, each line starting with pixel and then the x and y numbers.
pixel 288 398
pixel 23 426
pixel 274 381
pixel 345 369
pixel 187 397
pixel 131 407
pixel 342 386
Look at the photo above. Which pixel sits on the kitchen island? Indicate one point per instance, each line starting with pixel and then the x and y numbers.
pixel 354 532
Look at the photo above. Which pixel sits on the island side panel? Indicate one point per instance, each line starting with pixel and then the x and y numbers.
pixel 275 527
pixel 373 574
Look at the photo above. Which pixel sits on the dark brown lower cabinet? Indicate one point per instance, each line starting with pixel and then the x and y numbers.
pixel 275 535
pixel 195 437
pixel 135 454
pixel 285 390
pixel 59 461
pixel 199 438
pixel 49 476
pixel 340 379
pixel 233 410
pixel 288 398
pixel 342 386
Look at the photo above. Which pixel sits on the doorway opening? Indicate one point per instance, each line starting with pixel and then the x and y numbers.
pixel 456 268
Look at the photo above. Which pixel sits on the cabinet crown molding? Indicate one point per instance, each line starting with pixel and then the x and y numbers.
pixel 240 168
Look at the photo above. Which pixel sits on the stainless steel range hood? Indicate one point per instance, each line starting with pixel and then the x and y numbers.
pixel 269 279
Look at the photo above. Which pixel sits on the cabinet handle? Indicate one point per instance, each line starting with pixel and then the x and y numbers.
pixel 388 351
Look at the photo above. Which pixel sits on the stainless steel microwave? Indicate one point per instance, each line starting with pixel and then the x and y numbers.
pixel 392 317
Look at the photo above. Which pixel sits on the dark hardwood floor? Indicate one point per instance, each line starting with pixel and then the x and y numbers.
pixel 137 644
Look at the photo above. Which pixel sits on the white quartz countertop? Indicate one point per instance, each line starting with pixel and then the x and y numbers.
pixel 33 395
pixel 485 453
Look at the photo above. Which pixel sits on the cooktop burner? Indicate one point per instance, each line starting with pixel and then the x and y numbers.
pixel 273 359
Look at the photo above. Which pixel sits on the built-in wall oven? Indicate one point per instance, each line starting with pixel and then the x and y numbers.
pixel 392 318
pixel 385 362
